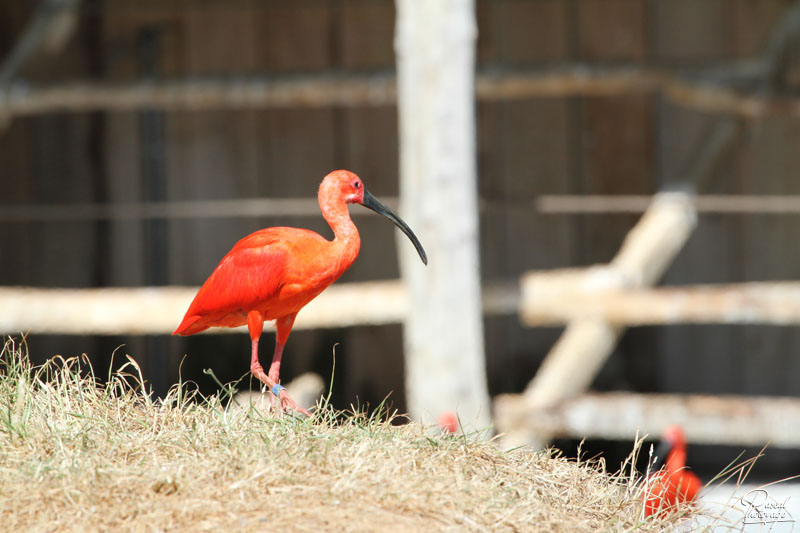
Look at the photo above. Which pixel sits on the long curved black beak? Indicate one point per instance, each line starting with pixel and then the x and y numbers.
pixel 377 206
pixel 661 453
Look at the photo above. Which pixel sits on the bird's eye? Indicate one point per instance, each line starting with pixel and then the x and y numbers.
pixel 356 184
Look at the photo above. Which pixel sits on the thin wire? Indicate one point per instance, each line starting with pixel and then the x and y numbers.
pixel 308 207
pixel 234 208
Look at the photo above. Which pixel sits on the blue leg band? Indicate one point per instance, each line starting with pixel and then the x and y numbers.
pixel 277 388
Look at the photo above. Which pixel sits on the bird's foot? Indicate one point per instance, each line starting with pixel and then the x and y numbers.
pixel 281 397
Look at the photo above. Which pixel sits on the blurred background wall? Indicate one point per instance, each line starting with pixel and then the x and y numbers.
pixel 622 143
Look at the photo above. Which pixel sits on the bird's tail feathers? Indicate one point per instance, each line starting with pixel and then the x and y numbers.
pixel 189 326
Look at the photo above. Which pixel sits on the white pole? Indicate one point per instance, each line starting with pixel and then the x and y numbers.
pixel 445 367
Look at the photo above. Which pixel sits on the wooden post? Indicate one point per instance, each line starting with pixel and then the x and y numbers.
pixel 48 30
pixel 445 368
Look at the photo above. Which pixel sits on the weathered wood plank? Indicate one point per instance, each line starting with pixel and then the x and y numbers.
pixel 157 310
pixel 706 419
pixel 558 298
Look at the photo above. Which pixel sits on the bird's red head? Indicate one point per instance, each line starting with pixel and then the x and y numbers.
pixel 344 186
pixel 672 448
pixel 674 435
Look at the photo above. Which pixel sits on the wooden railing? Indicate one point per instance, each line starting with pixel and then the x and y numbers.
pixel 597 303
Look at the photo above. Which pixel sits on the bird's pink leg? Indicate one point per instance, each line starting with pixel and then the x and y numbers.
pixel 283 326
pixel 255 324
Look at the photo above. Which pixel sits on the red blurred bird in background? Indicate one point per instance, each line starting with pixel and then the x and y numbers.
pixel 272 273
pixel 673 483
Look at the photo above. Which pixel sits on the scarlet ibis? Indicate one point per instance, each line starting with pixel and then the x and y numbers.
pixel 673 483
pixel 272 273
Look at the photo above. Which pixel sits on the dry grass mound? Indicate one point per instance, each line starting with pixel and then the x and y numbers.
pixel 78 455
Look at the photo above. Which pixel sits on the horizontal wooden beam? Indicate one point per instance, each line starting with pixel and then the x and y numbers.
pixel 201 93
pixel 158 310
pixel 268 207
pixel 706 419
pixel 556 298
pixel 326 89
pixel 588 204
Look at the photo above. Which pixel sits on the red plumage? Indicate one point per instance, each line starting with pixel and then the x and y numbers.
pixel 275 271
pixel 674 483
pixel 272 273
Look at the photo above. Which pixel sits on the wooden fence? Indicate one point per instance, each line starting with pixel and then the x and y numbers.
pixel 595 303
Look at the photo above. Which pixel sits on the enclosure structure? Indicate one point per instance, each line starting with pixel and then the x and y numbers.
pixel 138 134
